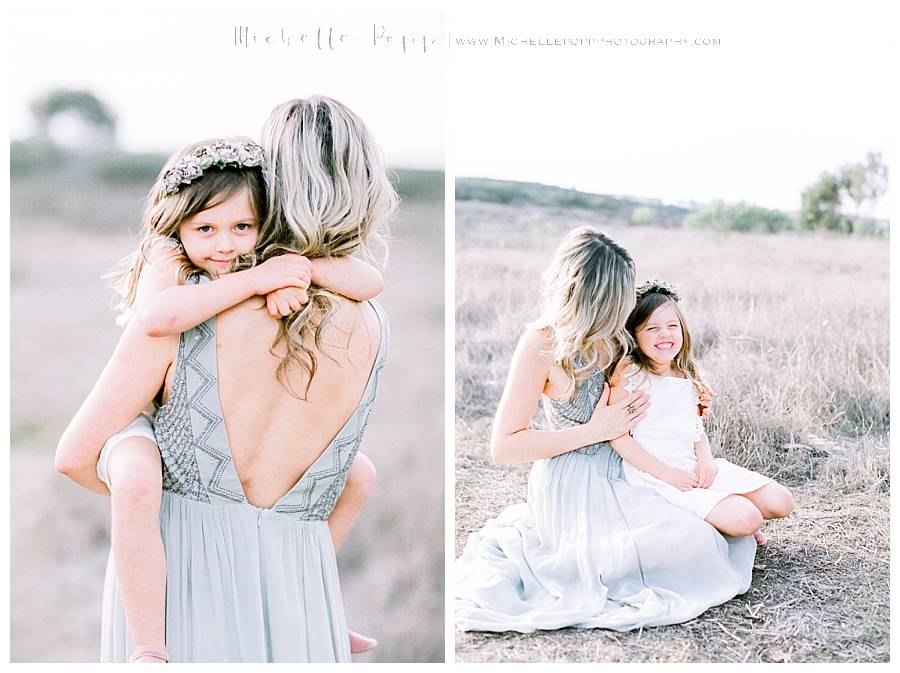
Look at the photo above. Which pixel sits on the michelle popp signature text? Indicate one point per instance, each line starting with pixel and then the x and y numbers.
pixel 331 38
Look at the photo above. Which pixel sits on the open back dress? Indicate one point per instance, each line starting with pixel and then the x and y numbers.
pixel 243 583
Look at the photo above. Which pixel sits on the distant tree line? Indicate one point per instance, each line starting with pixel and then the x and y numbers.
pixel 823 204
pixel 95 157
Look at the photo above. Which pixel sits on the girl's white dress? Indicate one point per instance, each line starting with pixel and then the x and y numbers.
pixel 669 431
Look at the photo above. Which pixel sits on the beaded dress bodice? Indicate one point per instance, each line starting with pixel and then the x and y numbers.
pixel 197 460
pixel 569 413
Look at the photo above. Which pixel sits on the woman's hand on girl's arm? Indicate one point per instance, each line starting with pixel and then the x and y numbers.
pixel 131 379
pixel 629 448
pixel 617 412
pixel 348 276
pixel 626 409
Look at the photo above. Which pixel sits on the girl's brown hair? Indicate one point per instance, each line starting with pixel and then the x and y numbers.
pixel 684 361
pixel 164 213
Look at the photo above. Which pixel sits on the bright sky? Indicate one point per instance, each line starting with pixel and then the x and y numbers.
pixel 792 89
pixel 795 88
pixel 173 74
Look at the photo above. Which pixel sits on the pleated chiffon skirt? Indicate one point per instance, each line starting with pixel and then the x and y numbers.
pixel 590 550
pixel 243 584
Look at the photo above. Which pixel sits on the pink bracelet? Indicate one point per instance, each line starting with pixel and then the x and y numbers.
pixel 149 652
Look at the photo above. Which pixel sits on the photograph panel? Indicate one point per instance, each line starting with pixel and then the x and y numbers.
pixel 672 390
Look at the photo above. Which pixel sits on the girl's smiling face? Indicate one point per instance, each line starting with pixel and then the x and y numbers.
pixel 660 338
pixel 214 237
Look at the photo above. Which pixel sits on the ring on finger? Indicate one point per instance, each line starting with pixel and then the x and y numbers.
pixel 630 409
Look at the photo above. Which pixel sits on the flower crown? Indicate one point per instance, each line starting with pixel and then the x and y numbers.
pixel 658 286
pixel 221 154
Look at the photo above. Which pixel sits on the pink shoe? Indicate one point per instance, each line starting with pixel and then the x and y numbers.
pixel 360 643
pixel 760 537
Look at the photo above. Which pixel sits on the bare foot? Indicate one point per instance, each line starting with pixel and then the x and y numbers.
pixel 360 643
pixel 760 537
pixel 150 655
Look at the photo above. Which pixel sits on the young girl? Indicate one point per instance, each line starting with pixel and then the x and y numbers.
pixel 668 450
pixel 204 220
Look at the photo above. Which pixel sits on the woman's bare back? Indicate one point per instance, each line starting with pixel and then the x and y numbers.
pixel 274 436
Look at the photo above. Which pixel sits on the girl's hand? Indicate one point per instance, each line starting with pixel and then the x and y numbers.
pixel 705 395
pixel 680 479
pixel 285 301
pixel 614 420
pixel 706 472
pixel 290 270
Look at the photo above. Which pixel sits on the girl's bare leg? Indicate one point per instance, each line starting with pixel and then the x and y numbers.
pixel 736 516
pixel 773 500
pixel 360 482
pixel 135 475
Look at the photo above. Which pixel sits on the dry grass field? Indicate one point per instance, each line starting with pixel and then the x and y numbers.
pixel 792 332
pixel 392 567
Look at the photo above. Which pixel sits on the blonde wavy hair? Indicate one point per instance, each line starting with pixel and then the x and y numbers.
pixel 163 215
pixel 588 294
pixel 328 196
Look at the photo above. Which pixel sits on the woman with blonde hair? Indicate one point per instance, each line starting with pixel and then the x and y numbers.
pixel 260 417
pixel 587 549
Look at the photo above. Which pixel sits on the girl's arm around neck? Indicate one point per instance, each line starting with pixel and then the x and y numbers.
pixel 165 308
pixel 347 276
pixel 179 308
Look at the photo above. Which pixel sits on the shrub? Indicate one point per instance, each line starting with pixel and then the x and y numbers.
pixel 741 216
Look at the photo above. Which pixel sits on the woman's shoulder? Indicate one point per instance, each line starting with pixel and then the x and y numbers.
pixel 537 340
pixel 351 317
pixel 347 312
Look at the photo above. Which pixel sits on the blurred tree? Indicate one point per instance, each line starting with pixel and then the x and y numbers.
pixel 860 183
pixel 853 181
pixel 84 107
pixel 877 176
pixel 821 205
pixel 741 216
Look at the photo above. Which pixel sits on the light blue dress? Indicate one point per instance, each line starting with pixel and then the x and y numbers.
pixel 243 584
pixel 590 550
